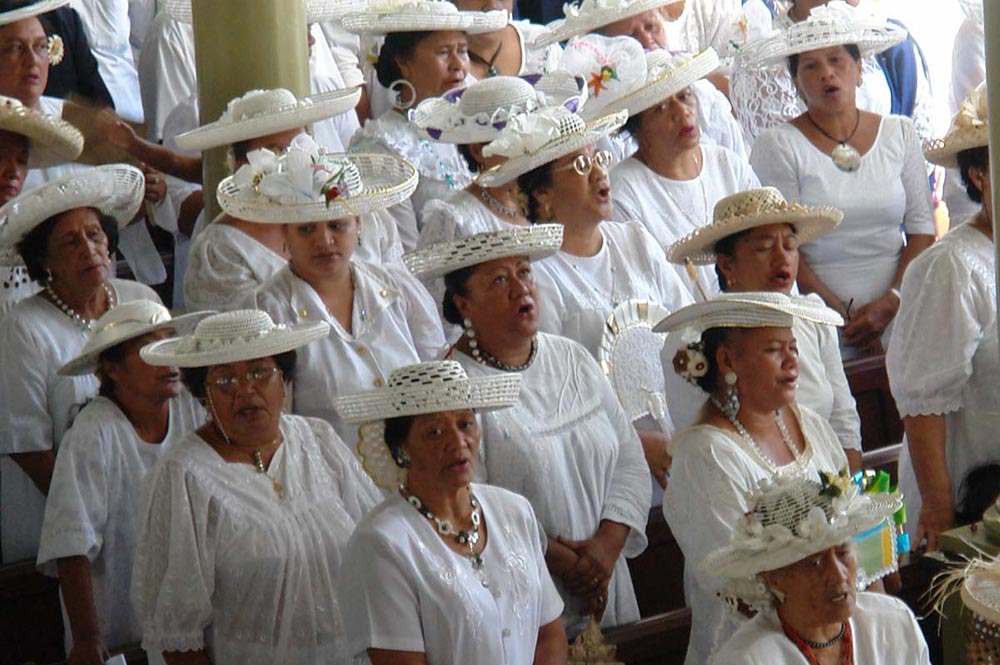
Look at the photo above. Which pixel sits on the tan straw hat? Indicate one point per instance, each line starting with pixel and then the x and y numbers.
pixel 51 141
pixel 970 128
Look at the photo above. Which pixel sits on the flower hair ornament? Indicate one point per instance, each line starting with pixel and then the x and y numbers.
pixel 690 362
pixel 57 50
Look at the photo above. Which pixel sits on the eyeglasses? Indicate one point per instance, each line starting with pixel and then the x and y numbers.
pixel 584 164
pixel 255 377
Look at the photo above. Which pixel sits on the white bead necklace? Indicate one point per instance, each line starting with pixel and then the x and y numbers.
pixel 745 435
pixel 86 324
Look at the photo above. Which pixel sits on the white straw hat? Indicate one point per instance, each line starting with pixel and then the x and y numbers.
pixel 751 309
pixel 306 184
pixel 381 17
pixel 125 322
pixel 317 11
pixel 589 15
pixel 748 210
pixel 834 24
pixel 535 241
pixel 791 518
pixel 115 190
pixel 533 140
pixel 229 337
pixel 430 387
pixel 34 9
pixel 476 113
pixel 611 67
pixel 51 140
pixel 970 128
pixel 261 112
pixel 666 75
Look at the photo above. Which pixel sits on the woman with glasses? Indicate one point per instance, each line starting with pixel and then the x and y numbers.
pixel 244 522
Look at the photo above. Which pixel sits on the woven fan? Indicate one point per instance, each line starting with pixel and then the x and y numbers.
pixel 591 649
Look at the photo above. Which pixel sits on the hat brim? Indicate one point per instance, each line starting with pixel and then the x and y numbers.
pixel 801 37
pixel 52 141
pixel 944 152
pixel 754 313
pixel 408 20
pixel 667 85
pixel 306 112
pixel 34 9
pixel 553 150
pixel 564 29
pixel 172 352
pixel 810 223
pixel 535 242
pixel 317 11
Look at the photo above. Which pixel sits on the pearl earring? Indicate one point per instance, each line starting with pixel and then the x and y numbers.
pixel 470 335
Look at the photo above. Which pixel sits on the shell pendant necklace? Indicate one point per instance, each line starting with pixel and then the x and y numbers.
pixel 845 156
pixel 467 539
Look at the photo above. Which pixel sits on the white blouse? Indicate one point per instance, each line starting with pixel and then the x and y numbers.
pixel 568 447
pixel 227 564
pixel 93 501
pixel 38 405
pixel 410 592
pixel 944 358
pixel 712 474
pixel 393 323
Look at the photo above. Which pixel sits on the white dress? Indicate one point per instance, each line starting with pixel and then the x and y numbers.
pixel 944 358
pixel 887 197
pixel 671 209
pixel 92 505
pixel 409 592
pixel 883 630
pixel 393 323
pixel 226 564
pixel 705 23
pixel 712 474
pixel 38 405
pixel 568 447
pixel 577 293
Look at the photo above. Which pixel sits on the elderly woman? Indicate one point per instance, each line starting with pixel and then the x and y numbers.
pixel 567 445
pixel 88 535
pixel 252 510
pixel 445 570
pixel 380 317
pixel 867 165
pixel 750 428
pixel 64 232
pixel 753 242
pixel 945 386
pixel 425 54
pixel 792 558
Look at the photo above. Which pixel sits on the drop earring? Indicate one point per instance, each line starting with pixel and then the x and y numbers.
pixel 470 335
pixel 731 405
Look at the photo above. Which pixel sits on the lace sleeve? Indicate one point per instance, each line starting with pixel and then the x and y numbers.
pixel 762 98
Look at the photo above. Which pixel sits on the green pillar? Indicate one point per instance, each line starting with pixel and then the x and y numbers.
pixel 244 45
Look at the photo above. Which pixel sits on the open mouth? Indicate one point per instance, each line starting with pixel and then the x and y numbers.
pixel 526 309
pixel 781 276
pixel 831 90
pixel 459 466
pixel 603 193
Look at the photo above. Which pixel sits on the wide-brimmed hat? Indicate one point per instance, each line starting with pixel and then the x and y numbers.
pixel 230 337
pixel 430 387
pixel 317 11
pixel 125 322
pixel 666 75
pixel 532 140
pixel 261 112
pixel 750 309
pixel 34 9
pixel 834 24
pixel 477 112
pixel 589 15
pixel 535 242
pixel 381 17
pixel 115 190
pixel 970 128
pixel 748 210
pixel 51 140
pixel 611 67
pixel 306 184
pixel 791 518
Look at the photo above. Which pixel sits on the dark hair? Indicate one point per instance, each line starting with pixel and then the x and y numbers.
pixel 396 432
pixel 978 491
pixel 399 45
pixel 194 377
pixel 712 339
pixel 727 247
pixel 34 246
pixel 633 125
pixel 470 159
pixel 455 284
pixel 531 182
pixel 115 354
pixel 973 158
pixel 240 151
pixel 793 59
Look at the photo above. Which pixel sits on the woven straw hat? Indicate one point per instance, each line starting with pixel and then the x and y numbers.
pixel 412 390
pixel 127 321
pixel 751 309
pixel 476 113
pixel 666 75
pixel 261 112
pixel 791 518
pixel 970 128
pixel 52 141
pixel 34 9
pixel 533 140
pixel 610 66
pixel 535 241
pixel 589 15
pixel 381 17
pixel 748 210
pixel 306 184
pixel 834 24
pixel 115 190
pixel 317 11
pixel 229 337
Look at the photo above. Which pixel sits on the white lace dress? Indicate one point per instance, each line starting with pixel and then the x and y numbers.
pixel 227 564
pixel 410 592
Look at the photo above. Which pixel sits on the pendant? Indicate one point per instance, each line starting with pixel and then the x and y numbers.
pixel 846 158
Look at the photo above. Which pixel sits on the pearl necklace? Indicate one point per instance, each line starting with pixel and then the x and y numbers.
pixel 745 435
pixel 692 218
pixel 468 538
pixel 484 357
pixel 86 324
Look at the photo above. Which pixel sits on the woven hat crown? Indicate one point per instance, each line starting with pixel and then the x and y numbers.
pixel 227 327
pixel 751 202
pixel 427 374
pixel 490 94
pixel 788 505
pixel 528 134
pixel 256 103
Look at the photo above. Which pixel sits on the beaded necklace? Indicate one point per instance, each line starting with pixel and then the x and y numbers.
pixel 845 637
pixel 745 435
pixel 86 324
pixel 467 538
pixel 484 357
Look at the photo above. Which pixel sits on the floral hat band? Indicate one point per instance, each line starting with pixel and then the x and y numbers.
pixel 970 128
